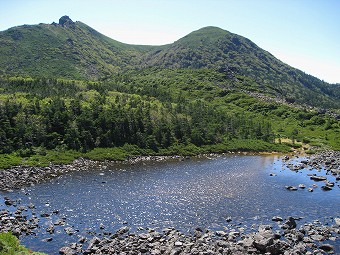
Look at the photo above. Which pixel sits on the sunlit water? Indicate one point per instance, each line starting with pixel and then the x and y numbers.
pixel 181 194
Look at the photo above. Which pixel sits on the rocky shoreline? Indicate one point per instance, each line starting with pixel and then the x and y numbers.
pixel 307 239
pixel 327 160
pixel 23 176
pixel 284 236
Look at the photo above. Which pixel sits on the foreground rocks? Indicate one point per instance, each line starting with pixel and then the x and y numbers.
pixel 312 238
pixel 17 222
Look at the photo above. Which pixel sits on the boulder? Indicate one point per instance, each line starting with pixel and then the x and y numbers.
pixel 302 186
pixel 318 178
pixel 291 188
pixel 291 223
pixel 326 188
pixel 66 251
pixel 277 218
pixel 70 231
pixel 262 243
pixel 337 221
pixel 122 230
pixel 326 247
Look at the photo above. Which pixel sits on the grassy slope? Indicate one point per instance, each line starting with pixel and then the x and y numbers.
pixel 9 245
pixel 69 52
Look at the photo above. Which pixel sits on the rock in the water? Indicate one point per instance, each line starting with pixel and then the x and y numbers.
pixel 277 218
pixel 318 178
pixel 70 231
pixel 50 229
pixel 291 188
pixel 326 188
pixel 302 186
pixel 326 247
pixel 291 223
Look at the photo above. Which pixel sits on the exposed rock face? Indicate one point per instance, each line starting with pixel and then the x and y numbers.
pixel 65 21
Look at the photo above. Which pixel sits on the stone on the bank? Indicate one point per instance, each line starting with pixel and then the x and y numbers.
pixel 122 230
pixel 66 251
pixel 178 244
pixel 220 233
pixel 337 221
pixel 261 243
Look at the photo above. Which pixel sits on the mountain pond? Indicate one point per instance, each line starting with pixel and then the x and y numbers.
pixel 220 192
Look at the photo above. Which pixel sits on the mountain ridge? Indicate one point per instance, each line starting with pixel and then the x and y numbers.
pixel 74 50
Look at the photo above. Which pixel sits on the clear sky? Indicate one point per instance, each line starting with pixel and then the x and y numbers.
pixel 303 33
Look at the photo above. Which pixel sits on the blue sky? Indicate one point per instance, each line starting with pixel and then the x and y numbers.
pixel 303 33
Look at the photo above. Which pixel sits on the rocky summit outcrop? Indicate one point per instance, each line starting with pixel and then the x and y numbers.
pixel 65 21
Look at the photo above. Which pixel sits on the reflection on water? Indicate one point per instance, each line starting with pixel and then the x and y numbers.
pixel 181 194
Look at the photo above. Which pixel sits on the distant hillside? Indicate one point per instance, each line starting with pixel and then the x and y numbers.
pixel 76 51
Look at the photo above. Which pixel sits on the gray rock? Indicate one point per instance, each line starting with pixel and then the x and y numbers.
pixel 178 244
pixel 70 231
pixel 291 223
pixel 318 178
pixel 326 247
pixel 220 233
pixel 50 229
pixel 337 221
pixel 291 188
pixel 66 251
pixel 261 243
pixel 326 188
pixel 277 218
pixel 122 230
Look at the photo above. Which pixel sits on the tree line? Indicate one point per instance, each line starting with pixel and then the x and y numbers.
pixel 86 117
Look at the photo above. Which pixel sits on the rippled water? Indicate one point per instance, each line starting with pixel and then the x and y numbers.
pixel 182 194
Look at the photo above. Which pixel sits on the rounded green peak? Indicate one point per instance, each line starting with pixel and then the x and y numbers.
pixel 208 34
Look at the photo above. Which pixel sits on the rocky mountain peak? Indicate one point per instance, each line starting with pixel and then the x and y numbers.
pixel 65 21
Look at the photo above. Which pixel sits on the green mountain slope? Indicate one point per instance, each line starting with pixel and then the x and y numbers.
pixel 68 49
pixel 236 56
pixel 76 51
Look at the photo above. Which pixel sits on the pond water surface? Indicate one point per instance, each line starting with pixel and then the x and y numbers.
pixel 199 192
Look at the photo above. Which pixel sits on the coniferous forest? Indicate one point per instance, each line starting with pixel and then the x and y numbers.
pixel 211 91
